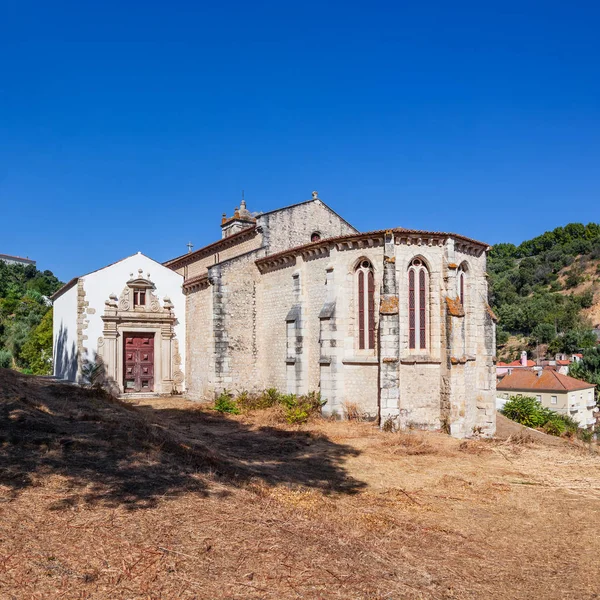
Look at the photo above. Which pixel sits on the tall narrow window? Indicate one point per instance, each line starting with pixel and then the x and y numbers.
pixel 463 283
pixel 411 309
pixel 371 315
pixel 422 296
pixel 366 305
pixel 417 305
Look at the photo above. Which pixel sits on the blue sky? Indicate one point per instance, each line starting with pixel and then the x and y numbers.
pixel 129 126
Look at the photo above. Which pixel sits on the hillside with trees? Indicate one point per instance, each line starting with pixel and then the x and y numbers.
pixel 26 318
pixel 544 291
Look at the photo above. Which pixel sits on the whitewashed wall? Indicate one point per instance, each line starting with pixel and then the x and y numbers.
pixel 64 332
pixel 100 284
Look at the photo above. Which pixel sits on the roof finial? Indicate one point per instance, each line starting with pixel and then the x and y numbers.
pixel 243 202
pixel 315 195
pixel 190 246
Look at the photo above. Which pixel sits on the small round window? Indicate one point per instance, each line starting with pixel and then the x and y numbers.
pixel 315 236
pixel 365 264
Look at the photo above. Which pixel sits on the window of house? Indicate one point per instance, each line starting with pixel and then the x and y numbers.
pixel 417 305
pixel 139 298
pixel 553 400
pixel 366 305
pixel 315 236
pixel 538 398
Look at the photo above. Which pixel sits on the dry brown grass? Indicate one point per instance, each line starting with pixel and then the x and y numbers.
pixel 165 499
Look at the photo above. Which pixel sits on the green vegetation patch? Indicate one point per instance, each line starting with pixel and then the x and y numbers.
pixel 26 318
pixel 296 408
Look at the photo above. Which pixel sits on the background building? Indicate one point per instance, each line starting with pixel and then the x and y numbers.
pixel 560 393
pixel 16 260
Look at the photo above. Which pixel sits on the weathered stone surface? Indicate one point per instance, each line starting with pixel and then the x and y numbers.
pixel 260 316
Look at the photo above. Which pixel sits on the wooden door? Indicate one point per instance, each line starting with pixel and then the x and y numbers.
pixel 138 355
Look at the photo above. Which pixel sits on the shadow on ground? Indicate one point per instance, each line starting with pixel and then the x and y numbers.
pixel 110 452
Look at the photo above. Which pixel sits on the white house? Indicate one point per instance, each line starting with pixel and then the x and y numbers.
pixel 129 316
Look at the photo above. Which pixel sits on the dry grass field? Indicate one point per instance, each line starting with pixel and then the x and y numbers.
pixel 166 499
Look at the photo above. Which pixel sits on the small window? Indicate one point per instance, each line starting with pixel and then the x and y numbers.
pixel 315 236
pixel 553 400
pixel 139 298
pixel 538 398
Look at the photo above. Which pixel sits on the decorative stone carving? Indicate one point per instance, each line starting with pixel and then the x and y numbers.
pixel 122 315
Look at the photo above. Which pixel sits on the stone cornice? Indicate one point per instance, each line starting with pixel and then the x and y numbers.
pixel 196 283
pixel 371 239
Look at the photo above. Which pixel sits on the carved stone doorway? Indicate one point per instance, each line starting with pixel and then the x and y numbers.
pixel 138 368
pixel 137 314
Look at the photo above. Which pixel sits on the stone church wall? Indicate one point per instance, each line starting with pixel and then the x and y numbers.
pixel 200 355
pixel 235 290
pixel 292 226
pixel 202 264
pixel 289 320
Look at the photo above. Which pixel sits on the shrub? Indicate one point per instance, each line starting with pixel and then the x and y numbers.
pixel 555 427
pixel 248 401
pixel 555 286
pixel 226 404
pixel 300 408
pixel 502 337
pixel 6 359
pixel 297 409
pixel 525 410
pixel 573 279
pixel 528 411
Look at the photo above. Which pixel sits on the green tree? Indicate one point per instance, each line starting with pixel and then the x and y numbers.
pixel 37 350
pixel 543 333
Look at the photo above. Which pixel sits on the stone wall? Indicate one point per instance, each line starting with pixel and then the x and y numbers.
pixel 200 362
pixel 289 320
pixel 199 266
pixel 293 226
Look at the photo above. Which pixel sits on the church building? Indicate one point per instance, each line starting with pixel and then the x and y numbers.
pixel 395 322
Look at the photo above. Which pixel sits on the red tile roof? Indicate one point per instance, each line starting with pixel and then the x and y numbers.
pixel 563 362
pixel 549 381
pixel 517 363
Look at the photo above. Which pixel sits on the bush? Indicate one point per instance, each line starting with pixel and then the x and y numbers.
pixel 555 427
pixel 6 359
pixel 297 409
pixel 502 337
pixel 226 404
pixel 574 278
pixel 555 286
pixel 248 401
pixel 525 410
pixel 528 411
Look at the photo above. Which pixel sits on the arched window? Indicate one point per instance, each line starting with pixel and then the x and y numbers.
pixel 417 305
pixel 315 236
pixel 366 305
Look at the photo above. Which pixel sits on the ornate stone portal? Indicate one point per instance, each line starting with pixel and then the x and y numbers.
pixel 138 310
